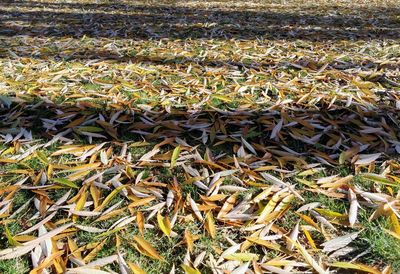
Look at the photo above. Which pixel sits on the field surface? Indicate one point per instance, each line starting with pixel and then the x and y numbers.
pixel 200 137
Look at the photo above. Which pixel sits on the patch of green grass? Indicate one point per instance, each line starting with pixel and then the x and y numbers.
pixel 58 193
pixel 91 86
pixel 14 228
pixel 13 166
pixel 208 244
pixel 233 104
pixel 217 150
pixel 20 198
pixel 35 164
pixel 216 102
pixel 384 248
pixel 243 194
pixel 166 175
pixel 108 250
pixel 343 171
pixel 288 220
pixel 330 203
pixel 142 98
pixel 86 237
pixel 190 189
pixel 253 133
pixel 138 152
pixel 15 266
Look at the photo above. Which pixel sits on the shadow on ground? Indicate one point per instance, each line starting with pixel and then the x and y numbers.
pixel 291 133
pixel 322 132
pixel 156 21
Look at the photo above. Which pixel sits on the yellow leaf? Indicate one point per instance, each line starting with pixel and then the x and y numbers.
pixel 265 243
pixel 130 172
pixel 222 98
pixel 146 246
pixel 309 238
pixel 141 202
pixel 117 242
pixel 378 179
pixel 309 221
pixel 65 182
pixel 308 172
pixel 308 258
pixel 95 193
pixel 189 239
pixel 78 175
pixel 79 205
pixel 83 167
pixel 394 234
pixel 347 154
pixel 42 157
pixel 73 247
pixel 8 161
pixel 10 238
pixel 24 238
pixel 164 224
pixel 227 206
pixel 175 155
pixel 50 171
pixel 210 226
pixel 354 266
pixel 76 122
pixel 140 221
pixel 395 223
pixel 110 215
pixel 190 270
pixel 94 252
pixel 136 269
pixel 330 214
pixel 50 260
pixel 245 257
pixel 268 208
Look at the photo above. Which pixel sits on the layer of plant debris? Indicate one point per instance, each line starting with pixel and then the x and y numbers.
pixel 199 137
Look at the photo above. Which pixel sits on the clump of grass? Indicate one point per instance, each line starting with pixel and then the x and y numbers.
pixel 35 164
pixel 190 190
pixel 20 198
pixel 15 266
pixel 383 248
pixel 91 86
pixel 138 152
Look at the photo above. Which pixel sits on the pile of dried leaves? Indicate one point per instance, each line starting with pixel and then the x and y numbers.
pixel 199 137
